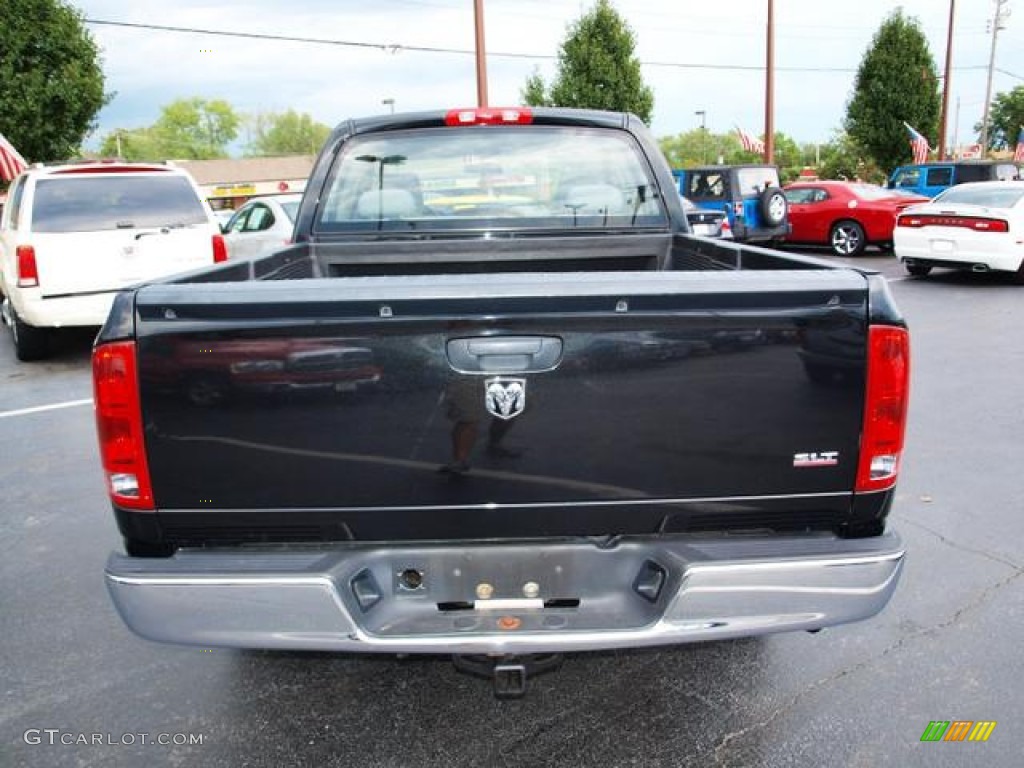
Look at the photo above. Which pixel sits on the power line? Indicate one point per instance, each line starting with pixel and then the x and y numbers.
pixel 399 47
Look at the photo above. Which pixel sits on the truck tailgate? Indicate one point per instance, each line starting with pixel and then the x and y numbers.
pixel 466 406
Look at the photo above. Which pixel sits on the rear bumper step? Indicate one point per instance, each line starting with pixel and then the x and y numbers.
pixel 568 595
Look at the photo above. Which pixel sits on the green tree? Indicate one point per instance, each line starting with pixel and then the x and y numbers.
pixel 788 157
pixel 1006 117
pixel 51 81
pixel 134 145
pixel 187 129
pixel 685 150
pixel 596 68
pixel 896 83
pixel 286 133
pixel 842 158
pixel 534 92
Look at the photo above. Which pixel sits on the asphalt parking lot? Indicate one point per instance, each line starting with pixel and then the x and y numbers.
pixel 946 648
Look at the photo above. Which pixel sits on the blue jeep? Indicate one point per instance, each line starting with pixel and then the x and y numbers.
pixel 749 194
pixel 931 178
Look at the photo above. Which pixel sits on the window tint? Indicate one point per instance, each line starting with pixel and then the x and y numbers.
pixel 968 172
pixel 522 177
pixel 908 177
pixel 93 203
pixel 939 177
pixel 802 195
pixel 14 202
pixel 237 222
pixel 990 195
pixel 260 218
pixel 707 185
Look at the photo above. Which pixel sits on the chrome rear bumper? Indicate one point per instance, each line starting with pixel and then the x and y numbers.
pixel 590 595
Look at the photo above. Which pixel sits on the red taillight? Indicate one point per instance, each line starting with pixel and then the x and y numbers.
pixel 220 249
pixel 885 408
pixel 489 116
pixel 28 272
pixel 119 425
pixel 977 223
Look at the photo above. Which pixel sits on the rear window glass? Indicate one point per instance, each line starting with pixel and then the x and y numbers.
pixel 991 196
pixel 753 181
pixel 94 203
pixel 514 178
pixel 870 192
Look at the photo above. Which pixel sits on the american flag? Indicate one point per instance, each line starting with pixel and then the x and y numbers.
pixel 11 163
pixel 750 143
pixel 1018 153
pixel 918 145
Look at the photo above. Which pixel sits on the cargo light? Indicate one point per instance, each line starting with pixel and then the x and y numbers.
pixel 489 116
pixel 885 408
pixel 220 249
pixel 119 425
pixel 977 223
pixel 28 270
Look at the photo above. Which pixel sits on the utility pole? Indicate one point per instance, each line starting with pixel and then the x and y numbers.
pixel 946 83
pixel 956 130
pixel 481 54
pixel 769 88
pixel 1000 16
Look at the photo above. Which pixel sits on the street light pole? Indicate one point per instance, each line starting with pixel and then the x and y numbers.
pixel 702 114
pixel 389 103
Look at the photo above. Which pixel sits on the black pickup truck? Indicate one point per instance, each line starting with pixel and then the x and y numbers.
pixel 497 401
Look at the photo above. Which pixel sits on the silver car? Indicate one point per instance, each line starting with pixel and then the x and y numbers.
pixel 262 225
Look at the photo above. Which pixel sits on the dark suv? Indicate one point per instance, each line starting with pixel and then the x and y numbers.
pixel 749 194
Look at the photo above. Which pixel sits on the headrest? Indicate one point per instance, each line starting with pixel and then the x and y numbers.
pixel 386 204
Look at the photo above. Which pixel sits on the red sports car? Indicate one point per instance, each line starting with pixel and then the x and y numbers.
pixel 846 216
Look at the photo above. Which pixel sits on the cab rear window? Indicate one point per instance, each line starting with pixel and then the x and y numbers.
pixel 514 178
pixel 96 203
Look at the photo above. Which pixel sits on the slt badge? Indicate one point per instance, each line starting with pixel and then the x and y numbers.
pixel 505 398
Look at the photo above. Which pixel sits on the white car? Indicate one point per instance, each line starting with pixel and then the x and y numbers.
pixel 977 227
pixel 222 216
pixel 71 236
pixel 262 225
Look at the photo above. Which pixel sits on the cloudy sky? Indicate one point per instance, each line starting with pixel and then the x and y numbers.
pixel 696 54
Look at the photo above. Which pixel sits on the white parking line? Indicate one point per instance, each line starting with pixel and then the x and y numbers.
pixel 42 408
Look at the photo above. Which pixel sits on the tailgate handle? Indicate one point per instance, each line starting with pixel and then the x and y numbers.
pixel 505 354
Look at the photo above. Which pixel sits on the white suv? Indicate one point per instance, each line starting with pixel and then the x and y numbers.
pixel 71 236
